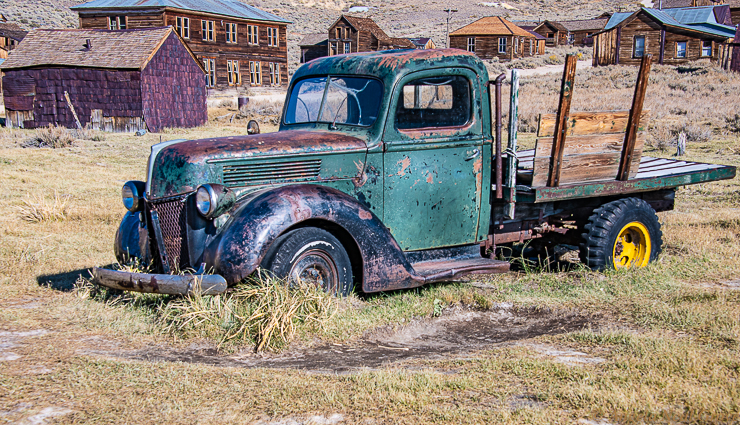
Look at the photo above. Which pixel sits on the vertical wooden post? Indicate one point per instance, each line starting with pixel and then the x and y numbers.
pixel 561 120
pixel 662 46
pixel 72 108
pixel 634 119
pixel 511 160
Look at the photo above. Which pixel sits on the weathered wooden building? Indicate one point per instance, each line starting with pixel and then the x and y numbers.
pixel 495 37
pixel 313 46
pixel 423 43
pixel 351 34
pixel 10 35
pixel 581 31
pixel 672 36
pixel 237 43
pixel 555 34
pixel 112 80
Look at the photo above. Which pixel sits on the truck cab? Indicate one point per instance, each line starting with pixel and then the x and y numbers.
pixel 382 176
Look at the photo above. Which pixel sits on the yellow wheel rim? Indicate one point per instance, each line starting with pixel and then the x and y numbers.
pixel 632 247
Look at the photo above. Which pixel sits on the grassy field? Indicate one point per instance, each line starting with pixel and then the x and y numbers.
pixel 655 345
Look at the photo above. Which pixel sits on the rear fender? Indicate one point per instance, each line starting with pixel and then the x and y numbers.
pixel 240 247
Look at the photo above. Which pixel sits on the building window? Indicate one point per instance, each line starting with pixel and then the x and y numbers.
pixel 272 37
pixel 255 73
pixel 531 47
pixel 253 34
pixel 230 33
pixel 210 65
pixel 680 49
pixel 339 32
pixel 515 44
pixel 638 50
pixel 346 33
pixel 471 44
pixel 502 45
pixel 182 26
pixel 333 47
pixel 207 27
pixel 706 48
pixel 571 38
pixel 116 23
pixel 274 74
pixel 232 69
pixel 347 47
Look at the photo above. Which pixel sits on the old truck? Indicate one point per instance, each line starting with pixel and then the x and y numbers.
pixel 389 171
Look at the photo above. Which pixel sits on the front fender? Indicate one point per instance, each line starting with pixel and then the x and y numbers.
pixel 238 250
pixel 132 240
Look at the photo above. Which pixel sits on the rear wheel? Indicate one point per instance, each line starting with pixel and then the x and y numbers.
pixel 622 233
pixel 312 256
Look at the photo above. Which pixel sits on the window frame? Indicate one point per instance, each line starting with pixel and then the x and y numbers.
pixel 210 67
pixel 347 47
pixel 274 70
pixel 502 42
pixel 273 37
pixel 208 29
pixel 471 44
pixel 232 72
pixel 710 47
pixel 255 73
pixel 182 26
pixel 634 46
pixel 685 49
pixel 253 35
pixel 231 32
pixel 115 20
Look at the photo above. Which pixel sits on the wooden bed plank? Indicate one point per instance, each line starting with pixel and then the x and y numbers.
pixel 585 123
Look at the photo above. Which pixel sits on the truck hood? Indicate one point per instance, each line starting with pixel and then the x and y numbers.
pixel 254 161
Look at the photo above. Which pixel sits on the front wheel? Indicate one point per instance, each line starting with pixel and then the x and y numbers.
pixel 313 256
pixel 622 233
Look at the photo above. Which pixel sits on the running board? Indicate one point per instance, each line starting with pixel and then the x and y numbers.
pixel 446 269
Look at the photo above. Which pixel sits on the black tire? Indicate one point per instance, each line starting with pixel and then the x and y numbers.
pixel 314 255
pixel 612 227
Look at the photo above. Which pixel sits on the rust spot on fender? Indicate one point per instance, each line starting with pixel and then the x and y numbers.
pixel 430 178
pixel 365 215
pixel 405 163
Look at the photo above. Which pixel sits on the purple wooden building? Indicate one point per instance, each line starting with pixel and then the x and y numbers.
pixel 120 81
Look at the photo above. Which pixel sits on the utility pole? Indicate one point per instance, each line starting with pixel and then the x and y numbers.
pixel 449 14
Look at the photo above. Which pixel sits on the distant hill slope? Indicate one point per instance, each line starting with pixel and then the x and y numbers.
pixel 399 18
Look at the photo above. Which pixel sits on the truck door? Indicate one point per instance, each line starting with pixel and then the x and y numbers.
pixel 433 159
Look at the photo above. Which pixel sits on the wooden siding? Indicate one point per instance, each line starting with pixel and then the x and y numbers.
pixel 116 93
pixel 218 49
pixel 173 88
pixel 486 46
pixel 616 46
pixel 312 52
pixel 360 41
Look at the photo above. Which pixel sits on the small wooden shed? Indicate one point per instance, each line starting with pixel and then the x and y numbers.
pixel 672 36
pixel 120 81
pixel 313 46
pixel 495 37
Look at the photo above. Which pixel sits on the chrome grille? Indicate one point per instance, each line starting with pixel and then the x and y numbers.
pixel 173 222
pixel 265 173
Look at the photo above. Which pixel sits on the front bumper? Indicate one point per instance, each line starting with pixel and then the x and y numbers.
pixel 205 284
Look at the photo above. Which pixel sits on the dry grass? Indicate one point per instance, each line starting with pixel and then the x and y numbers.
pixel 37 209
pixel 262 310
pixel 50 137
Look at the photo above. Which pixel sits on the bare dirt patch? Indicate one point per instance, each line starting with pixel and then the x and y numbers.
pixel 458 332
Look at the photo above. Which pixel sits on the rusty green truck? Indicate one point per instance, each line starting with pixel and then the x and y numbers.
pixel 389 172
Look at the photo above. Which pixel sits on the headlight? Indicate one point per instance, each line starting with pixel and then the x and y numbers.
pixel 212 200
pixel 132 193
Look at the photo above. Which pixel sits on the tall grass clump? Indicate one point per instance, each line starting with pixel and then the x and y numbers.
pixel 38 209
pixel 263 310
pixel 50 137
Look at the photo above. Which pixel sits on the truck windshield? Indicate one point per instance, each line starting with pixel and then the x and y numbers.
pixel 346 100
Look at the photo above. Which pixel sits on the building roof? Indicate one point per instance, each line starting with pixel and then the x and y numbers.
pixel 364 24
pixel 123 49
pixel 537 35
pixel 492 25
pixel 420 41
pixel 397 43
pixel 230 8
pixel 11 30
pixel 584 24
pixel 314 39
pixel 693 20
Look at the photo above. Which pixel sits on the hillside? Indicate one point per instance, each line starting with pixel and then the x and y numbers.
pixel 399 18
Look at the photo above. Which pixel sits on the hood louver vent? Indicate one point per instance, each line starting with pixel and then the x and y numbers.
pixel 256 174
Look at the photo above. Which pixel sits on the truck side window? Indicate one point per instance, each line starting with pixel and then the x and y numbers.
pixel 434 102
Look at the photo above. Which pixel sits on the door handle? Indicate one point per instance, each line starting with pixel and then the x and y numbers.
pixel 475 154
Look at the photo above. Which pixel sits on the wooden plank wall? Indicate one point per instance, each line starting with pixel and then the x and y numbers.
pixel 173 88
pixel 486 47
pixel 18 119
pixel 116 93
pixel 592 150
